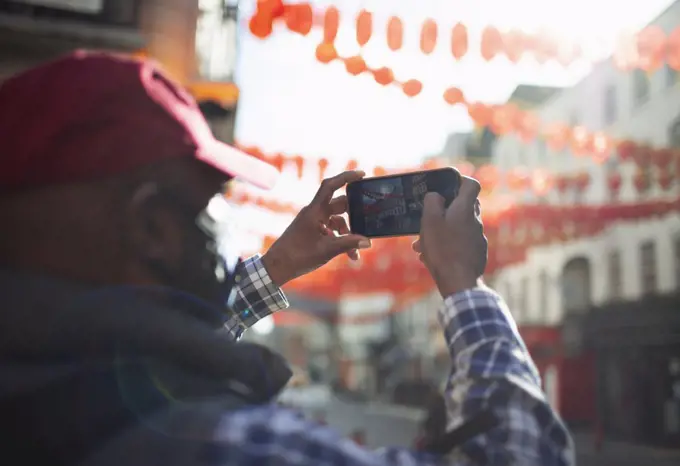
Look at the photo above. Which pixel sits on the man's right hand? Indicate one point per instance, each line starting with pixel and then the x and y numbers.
pixel 452 243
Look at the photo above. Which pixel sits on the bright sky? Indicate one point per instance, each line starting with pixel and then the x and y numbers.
pixel 292 103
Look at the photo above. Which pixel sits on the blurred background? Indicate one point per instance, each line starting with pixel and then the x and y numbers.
pixel 568 112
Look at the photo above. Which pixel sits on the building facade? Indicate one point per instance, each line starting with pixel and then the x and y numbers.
pixel 609 295
pixel 194 41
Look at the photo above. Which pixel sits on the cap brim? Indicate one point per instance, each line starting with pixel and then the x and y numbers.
pixel 238 164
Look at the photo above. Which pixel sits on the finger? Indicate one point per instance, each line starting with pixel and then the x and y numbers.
pixel 338 205
pixel 336 245
pixel 469 190
pixel 417 246
pixel 433 207
pixel 330 185
pixel 339 224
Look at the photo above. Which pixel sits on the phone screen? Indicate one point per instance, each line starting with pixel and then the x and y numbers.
pixel 393 205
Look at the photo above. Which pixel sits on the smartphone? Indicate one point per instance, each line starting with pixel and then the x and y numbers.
pixel 392 205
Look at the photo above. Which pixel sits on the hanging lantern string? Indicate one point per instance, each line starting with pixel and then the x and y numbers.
pixel 500 119
pixel 647 49
pixel 517 180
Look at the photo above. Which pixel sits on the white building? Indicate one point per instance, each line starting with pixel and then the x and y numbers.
pixel 629 259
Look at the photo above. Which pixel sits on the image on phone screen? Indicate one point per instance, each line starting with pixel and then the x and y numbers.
pixel 393 205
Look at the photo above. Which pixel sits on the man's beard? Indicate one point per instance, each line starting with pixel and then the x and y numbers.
pixel 198 281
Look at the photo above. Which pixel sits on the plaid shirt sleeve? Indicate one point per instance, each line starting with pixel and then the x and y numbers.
pixel 256 297
pixel 491 369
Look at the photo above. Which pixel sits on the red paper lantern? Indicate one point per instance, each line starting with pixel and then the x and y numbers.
pixel 641 180
pixel 299 164
pixel 665 179
pixel 454 96
pixel 542 182
pixel 518 180
pixel 298 17
pixel 271 8
pixel 662 157
pixel 459 41
pixel 428 36
pixel 277 161
pixel 557 136
pixel 562 183
pixel 601 147
pixel 514 44
pixel 352 165
pixel 651 48
pixel 503 119
pixel 626 149
pixel 614 181
pixel 326 52
pixel 492 43
pixel 364 27
pixel 488 177
pixel 642 155
pixel 261 25
pixel 383 76
pixel 582 180
pixel 355 65
pixel 480 113
pixel 395 33
pixel 323 166
pixel 581 141
pixel 527 126
pixel 412 87
pixel 545 46
pixel 331 21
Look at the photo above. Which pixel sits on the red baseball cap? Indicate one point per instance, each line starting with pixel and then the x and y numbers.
pixel 91 115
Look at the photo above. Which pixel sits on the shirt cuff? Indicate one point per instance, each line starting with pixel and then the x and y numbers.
pixel 257 296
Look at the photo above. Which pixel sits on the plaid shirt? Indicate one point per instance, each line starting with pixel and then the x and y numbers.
pixel 491 369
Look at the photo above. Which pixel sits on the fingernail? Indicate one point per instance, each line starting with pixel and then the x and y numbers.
pixel 361 172
pixel 364 244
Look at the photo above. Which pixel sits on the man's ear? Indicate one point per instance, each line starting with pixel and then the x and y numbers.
pixel 152 228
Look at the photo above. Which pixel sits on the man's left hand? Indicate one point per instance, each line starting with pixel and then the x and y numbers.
pixel 318 234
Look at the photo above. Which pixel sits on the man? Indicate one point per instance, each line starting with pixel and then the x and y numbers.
pixel 122 301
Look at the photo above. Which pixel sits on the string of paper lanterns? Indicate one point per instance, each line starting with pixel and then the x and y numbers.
pixel 652 165
pixel 388 265
pixel 647 49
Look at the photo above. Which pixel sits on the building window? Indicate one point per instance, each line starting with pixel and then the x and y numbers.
pixel 614 275
pixel 610 104
pixel 671 76
pixel 648 267
pixel 676 251
pixel 674 135
pixel 216 39
pixel 576 291
pixel 523 304
pixel 640 87
pixel 544 289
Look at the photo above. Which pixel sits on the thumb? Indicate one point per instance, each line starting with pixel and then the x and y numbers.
pixel 433 209
pixel 336 245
